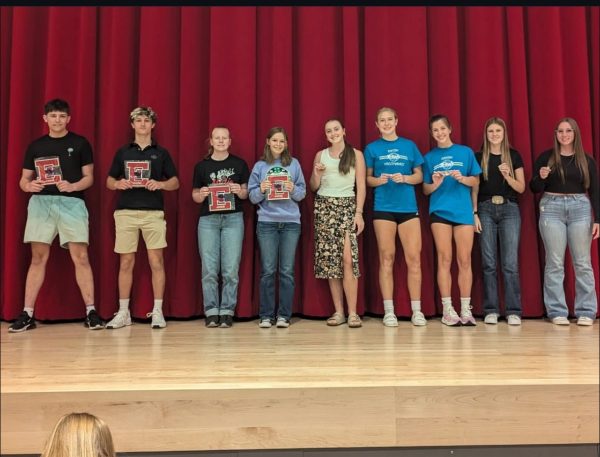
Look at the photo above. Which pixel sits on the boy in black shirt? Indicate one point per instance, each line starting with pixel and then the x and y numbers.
pixel 141 170
pixel 57 168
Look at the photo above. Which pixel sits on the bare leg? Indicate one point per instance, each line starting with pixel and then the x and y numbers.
pixel 350 282
pixel 442 235
pixel 157 265
pixel 463 237
pixel 127 261
pixel 83 271
pixel 36 273
pixel 385 231
pixel 410 236
pixel 337 294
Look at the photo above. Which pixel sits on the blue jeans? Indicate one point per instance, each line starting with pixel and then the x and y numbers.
pixel 567 219
pixel 500 223
pixel 220 239
pixel 277 241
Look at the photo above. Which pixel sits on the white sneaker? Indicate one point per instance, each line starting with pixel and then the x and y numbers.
pixel 491 319
pixel 449 317
pixel 158 321
pixel 466 317
pixel 265 322
pixel 390 320
pixel 121 319
pixel 560 320
pixel 282 322
pixel 513 319
pixel 585 321
pixel 418 319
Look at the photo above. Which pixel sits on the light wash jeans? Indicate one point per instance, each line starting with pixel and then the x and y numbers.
pixel 567 219
pixel 277 241
pixel 220 238
pixel 500 223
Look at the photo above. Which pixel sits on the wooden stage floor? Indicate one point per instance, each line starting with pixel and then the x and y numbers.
pixel 187 387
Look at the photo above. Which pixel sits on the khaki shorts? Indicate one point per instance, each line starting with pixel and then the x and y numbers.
pixel 129 222
pixel 51 215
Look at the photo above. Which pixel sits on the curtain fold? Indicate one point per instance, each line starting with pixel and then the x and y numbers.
pixel 251 68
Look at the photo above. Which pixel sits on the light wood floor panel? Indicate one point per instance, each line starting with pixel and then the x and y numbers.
pixel 310 386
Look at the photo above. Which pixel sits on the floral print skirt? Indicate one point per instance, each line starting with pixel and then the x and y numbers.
pixel 334 217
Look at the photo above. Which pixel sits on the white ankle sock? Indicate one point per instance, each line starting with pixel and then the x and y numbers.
pixel 89 308
pixel 158 305
pixel 123 304
pixel 465 303
pixel 29 311
pixel 446 302
pixel 388 306
pixel 415 305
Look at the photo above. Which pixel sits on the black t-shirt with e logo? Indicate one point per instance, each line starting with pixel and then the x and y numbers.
pixel 56 159
pixel 138 165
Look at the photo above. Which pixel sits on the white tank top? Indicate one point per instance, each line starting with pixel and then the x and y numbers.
pixel 333 183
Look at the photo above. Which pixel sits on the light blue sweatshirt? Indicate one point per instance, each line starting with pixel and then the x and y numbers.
pixel 277 210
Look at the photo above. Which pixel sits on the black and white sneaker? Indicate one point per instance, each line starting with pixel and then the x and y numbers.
pixel 212 321
pixel 23 322
pixel 226 321
pixel 93 321
pixel 282 322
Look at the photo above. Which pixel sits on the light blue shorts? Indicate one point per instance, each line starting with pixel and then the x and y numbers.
pixel 49 215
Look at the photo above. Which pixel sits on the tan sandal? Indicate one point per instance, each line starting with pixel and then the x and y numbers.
pixel 354 321
pixel 336 319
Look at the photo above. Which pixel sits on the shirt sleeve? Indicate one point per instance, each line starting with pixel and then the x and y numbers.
pixel 245 175
pixel 537 184
pixel 368 157
pixel 28 163
pixel 417 156
pixel 517 160
pixel 169 169
pixel 197 178
pixel 474 168
pixel 594 189
pixel 254 193
pixel 426 171
pixel 87 156
pixel 116 169
pixel 299 191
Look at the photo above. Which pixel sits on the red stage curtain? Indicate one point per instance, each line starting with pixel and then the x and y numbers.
pixel 250 68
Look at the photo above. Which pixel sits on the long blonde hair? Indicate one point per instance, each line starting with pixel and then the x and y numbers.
pixel 487 148
pixel 580 158
pixel 80 435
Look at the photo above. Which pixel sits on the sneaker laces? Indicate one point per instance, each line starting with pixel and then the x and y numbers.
pixel 465 311
pixel 451 312
pixel 418 316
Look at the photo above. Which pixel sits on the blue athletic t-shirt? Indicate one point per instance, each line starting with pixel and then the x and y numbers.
pixel 398 156
pixel 452 200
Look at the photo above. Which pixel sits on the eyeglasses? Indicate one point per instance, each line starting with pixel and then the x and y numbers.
pixel 565 131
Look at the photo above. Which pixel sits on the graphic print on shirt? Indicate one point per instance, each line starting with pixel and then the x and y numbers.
pixel 277 176
pixel 446 165
pixel 220 197
pixel 392 158
pixel 47 170
pixel 137 172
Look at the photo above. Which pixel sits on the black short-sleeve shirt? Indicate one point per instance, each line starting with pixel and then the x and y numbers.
pixel 495 183
pixel 59 157
pixel 158 165
pixel 231 170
